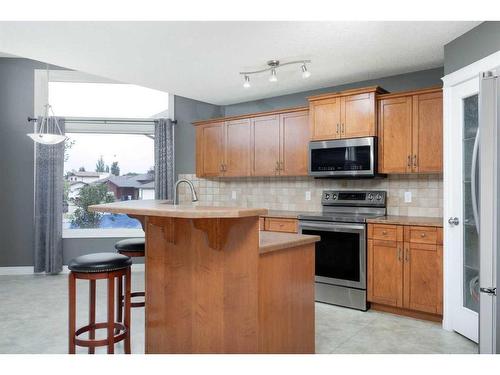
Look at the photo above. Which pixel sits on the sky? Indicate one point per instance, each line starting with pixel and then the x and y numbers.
pixel 134 152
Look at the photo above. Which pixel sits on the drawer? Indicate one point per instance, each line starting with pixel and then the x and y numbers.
pixel 384 232
pixel 427 235
pixel 281 225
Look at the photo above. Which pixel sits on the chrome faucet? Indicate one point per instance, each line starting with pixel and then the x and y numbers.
pixel 194 197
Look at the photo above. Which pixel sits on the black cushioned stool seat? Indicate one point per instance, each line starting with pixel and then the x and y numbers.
pixel 99 262
pixel 134 245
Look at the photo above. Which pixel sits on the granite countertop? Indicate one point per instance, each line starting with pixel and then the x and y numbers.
pixel 408 220
pixel 155 207
pixel 272 241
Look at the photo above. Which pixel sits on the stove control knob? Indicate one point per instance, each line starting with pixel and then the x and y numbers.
pixel 334 196
pixel 327 196
pixel 379 197
pixel 370 196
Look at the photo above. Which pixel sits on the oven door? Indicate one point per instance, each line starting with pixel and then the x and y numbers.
pixel 341 253
pixel 343 158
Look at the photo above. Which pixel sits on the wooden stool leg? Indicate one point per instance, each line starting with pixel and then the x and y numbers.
pixel 72 312
pixel 127 310
pixel 91 313
pixel 119 302
pixel 111 314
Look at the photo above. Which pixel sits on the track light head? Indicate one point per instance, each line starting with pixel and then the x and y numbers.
pixel 305 73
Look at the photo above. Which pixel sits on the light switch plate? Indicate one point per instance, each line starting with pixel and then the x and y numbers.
pixel 308 195
pixel 233 194
pixel 407 196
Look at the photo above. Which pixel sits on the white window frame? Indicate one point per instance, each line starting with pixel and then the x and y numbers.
pixel 41 94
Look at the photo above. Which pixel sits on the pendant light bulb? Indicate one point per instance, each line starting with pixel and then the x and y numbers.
pixel 273 77
pixel 305 73
pixel 246 84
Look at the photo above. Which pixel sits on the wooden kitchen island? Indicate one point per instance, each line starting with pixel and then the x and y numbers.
pixel 214 284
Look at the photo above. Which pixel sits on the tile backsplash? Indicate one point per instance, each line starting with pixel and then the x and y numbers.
pixel 289 193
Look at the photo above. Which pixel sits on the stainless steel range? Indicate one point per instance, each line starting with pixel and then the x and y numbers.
pixel 341 253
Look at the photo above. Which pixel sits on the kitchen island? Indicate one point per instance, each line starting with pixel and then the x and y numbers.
pixel 214 284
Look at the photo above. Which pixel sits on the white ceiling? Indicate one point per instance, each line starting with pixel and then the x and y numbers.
pixel 201 60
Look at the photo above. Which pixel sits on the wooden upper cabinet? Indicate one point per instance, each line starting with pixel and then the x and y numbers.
pixel 428 132
pixel 209 149
pixel 294 130
pixel 358 115
pixel 238 148
pixel 324 117
pixel 410 130
pixel 395 132
pixel 346 114
pixel 266 145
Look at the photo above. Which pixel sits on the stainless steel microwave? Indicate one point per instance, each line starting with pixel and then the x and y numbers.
pixel 343 158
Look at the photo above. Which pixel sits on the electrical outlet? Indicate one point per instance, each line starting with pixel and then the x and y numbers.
pixel 233 194
pixel 407 196
pixel 308 195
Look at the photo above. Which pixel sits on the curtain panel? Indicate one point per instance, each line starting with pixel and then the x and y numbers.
pixel 49 193
pixel 164 158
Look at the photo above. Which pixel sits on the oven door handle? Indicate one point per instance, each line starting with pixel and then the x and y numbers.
pixel 337 227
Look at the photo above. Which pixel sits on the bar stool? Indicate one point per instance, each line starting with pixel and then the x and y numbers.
pixel 92 267
pixel 133 248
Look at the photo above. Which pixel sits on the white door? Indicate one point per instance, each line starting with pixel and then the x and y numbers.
pixel 460 232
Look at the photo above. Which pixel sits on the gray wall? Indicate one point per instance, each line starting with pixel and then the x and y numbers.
pixel 481 41
pixel 16 162
pixel 402 82
pixel 187 111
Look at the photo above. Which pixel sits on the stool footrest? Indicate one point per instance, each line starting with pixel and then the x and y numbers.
pixel 120 329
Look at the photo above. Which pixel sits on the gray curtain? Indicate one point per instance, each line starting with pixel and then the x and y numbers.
pixel 49 171
pixel 164 158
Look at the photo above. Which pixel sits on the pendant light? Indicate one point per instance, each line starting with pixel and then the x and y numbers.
pixel 47 132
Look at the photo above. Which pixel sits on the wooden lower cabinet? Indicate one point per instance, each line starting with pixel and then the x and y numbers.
pixel 405 273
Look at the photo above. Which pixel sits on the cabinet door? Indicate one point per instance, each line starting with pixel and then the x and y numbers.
pixel 209 149
pixel 428 133
pixel 358 115
pixel 423 275
pixel 266 145
pixel 294 129
pixel 395 134
pixel 238 148
pixel 385 272
pixel 324 117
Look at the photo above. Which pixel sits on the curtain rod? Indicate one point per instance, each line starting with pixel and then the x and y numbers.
pixel 105 120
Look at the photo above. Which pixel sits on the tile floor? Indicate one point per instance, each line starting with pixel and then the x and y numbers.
pixel 33 319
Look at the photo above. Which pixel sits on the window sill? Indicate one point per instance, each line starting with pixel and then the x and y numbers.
pixel 102 233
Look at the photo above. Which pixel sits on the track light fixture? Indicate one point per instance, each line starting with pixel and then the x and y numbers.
pixel 273 65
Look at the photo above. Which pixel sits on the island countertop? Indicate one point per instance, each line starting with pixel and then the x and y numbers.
pixel 272 241
pixel 164 208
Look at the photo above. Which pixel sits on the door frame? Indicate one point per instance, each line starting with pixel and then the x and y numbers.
pixel 450 84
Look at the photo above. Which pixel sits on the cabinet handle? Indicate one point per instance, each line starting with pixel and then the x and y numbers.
pixel 415 160
pixel 343 128
pixel 384 232
pixel 337 128
pixel 422 235
pixel 407 255
pixel 281 166
pixel 277 167
pixel 409 161
pixel 221 167
pixel 399 254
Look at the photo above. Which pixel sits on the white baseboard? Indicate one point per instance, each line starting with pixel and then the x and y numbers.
pixel 29 270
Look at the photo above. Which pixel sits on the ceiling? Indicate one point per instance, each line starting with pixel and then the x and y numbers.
pixel 201 60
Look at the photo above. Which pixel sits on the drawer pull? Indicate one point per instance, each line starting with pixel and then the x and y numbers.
pixel 422 235
pixel 384 232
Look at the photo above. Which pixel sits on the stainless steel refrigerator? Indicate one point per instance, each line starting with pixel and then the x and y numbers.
pixel 487 209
